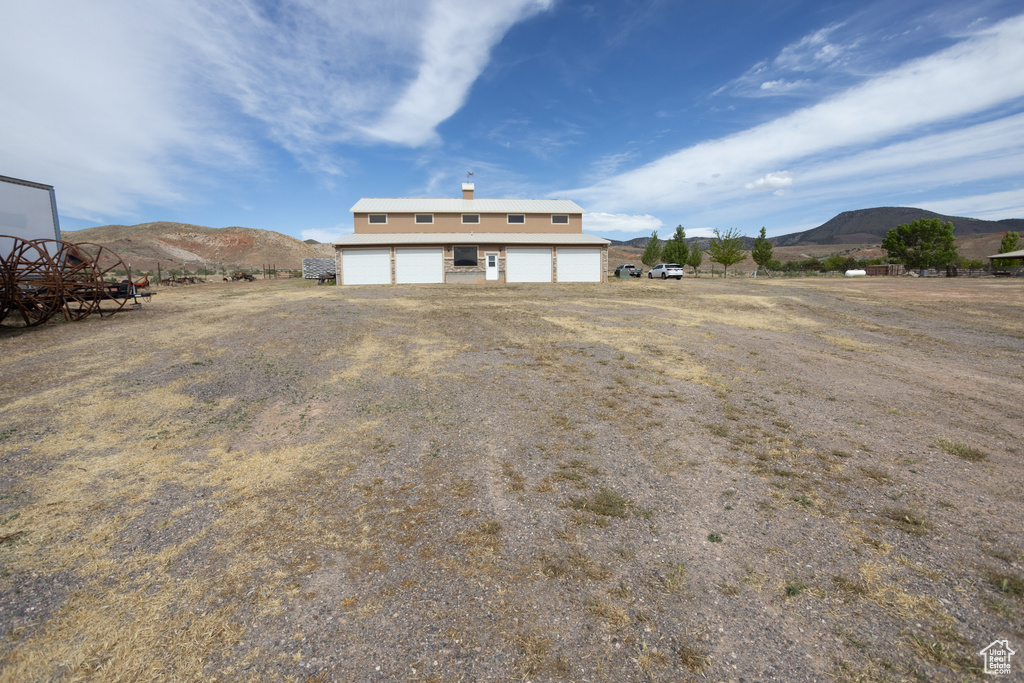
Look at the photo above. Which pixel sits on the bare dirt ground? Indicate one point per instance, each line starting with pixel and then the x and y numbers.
pixel 718 480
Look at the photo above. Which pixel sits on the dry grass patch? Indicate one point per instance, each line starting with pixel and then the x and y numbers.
pixel 956 656
pixel 536 658
pixel 960 449
pixel 614 614
pixel 894 599
pixel 1011 584
pixel 574 565
pixel 575 472
pixel 693 657
pixel 604 502
pixel 516 482
pixel 908 520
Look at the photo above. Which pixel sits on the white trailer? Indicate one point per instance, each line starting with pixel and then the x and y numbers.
pixel 27 210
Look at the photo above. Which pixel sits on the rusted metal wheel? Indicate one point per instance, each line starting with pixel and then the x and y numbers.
pixel 113 289
pixel 34 289
pixel 5 287
pixel 79 279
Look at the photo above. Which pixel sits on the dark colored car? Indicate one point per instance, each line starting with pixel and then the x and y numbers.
pixel 629 269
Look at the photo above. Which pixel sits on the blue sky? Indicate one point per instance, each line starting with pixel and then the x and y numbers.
pixel 648 113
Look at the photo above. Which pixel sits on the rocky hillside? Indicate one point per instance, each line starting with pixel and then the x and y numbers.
pixel 171 244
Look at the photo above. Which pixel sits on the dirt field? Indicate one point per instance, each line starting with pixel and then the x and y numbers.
pixel 711 480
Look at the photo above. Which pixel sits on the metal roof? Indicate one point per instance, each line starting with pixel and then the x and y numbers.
pixel 1010 254
pixel 395 238
pixel 466 206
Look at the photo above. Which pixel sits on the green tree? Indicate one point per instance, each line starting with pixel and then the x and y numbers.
pixel 726 249
pixel 695 258
pixel 675 250
pixel 652 252
pixel 811 263
pixel 762 252
pixel 1010 243
pixel 925 243
pixel 834 262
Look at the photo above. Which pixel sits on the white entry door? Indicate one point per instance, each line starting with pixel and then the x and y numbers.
pixel 528 264
pixel 366 266
pixel 579 265
pixel 416 266
pixel 492 266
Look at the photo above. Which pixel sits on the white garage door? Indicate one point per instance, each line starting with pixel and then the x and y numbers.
pixel 579 265
pixel 528 264
pixel 366 266
pixel 414 266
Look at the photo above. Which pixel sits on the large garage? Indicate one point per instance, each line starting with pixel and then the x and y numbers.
pixel 579 265
pixel 528 264
pixel 366 266
pixel 419 266
pixel 468 241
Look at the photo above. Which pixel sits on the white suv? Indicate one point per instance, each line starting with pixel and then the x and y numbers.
pixel 666 270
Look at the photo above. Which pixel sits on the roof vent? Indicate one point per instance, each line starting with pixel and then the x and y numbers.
pixel 467 190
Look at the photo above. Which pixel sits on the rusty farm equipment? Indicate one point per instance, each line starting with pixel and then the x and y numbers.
pixel 45 277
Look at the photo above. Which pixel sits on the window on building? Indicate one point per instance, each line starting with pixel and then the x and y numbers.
pixel 470 218
pixel 560 220
pixel 425 218
pixel 378 218
pixel 465 256
pixel 516 218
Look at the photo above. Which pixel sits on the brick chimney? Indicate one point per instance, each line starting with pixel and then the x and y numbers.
pixel 467 190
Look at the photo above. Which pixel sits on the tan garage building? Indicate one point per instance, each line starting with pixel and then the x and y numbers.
pixel 408 241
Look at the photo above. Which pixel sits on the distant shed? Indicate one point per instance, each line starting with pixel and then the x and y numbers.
pixel 315 268
pixel 1008 256
pixel 885 269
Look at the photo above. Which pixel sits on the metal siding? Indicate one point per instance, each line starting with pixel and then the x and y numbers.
pixel 419 266
pixel 526 264
pixel 466 206
pixel 28 211
pixel 579 265
pixel 366 266
pixel 411 238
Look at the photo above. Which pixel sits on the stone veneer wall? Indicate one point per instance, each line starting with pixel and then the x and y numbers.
pixel 315 267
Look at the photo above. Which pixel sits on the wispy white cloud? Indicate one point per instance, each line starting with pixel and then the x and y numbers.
pixel 816 54
pixel 543 140
pixel 455 45
pixel 812 51
pixel 973 154
pixel 781 86
pixel 993 206
pixel 620 223
pixel 976 75
pixel 772 181
pixel 121 103
pixel 610 163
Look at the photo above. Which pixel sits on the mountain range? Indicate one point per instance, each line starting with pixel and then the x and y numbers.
pixel 865 226
pixel 169 244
